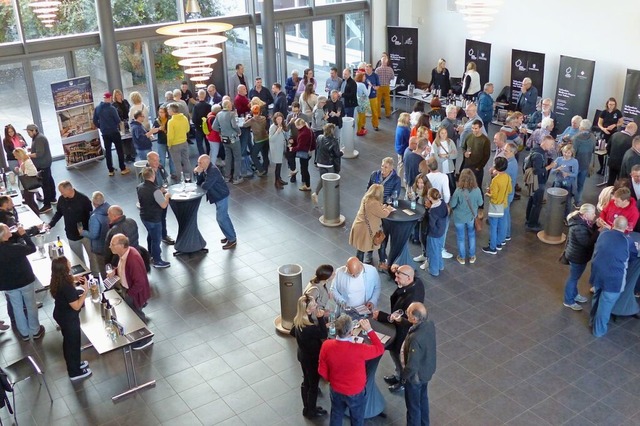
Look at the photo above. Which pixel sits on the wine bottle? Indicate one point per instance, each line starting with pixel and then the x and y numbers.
pixel 58 242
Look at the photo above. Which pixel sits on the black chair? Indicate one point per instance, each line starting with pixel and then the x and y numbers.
pixel 21 370
pixel 594 123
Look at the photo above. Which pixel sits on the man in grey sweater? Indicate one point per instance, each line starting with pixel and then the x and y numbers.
pixel 41 157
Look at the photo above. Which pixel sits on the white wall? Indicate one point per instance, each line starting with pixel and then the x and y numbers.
pixel 566 27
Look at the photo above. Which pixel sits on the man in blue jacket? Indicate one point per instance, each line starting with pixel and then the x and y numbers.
pixel 485 105
pixel 210 179
pixel 106 118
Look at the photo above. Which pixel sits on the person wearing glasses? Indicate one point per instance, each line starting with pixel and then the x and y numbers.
pixel 356 284
pixel 410 289
pixel 310 330
pixel 140 135
pixel 535 120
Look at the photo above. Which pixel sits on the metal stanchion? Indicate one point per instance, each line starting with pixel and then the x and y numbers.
pixel 331 190
pixel 554 225
pixel 347 137
pixel 290 277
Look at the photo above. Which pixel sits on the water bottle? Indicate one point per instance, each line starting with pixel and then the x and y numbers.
pixel 413 203
pixel 410 89
pixel 395 198
pixel 183 182
pixel 332 329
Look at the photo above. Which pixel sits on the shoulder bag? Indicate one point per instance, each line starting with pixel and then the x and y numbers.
pixel 496 210
pixel 379 236
pixel 30 182
pixel 477 220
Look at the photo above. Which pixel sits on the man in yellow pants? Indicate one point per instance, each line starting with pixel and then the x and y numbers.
pixel 373 96
pixel 385 75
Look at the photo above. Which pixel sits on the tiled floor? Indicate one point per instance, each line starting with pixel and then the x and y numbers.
pixel 508 352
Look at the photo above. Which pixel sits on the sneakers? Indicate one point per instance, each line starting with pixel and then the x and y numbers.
pixel 168 240
pixel 238 181
pixel 488 250
pixel 86 372
pixel 112 173
pixel 40 333
pixel 460 260
pixel 420 258
pixel 45 209
pixel 161 264
pixel 314 198
pixel 376 129
pixel 499 246
pixel 124 173
pixel 573 306
pixel 262 173
pixel 507 239
pixel 142 346
pixel 446 254
pixel 361 132
pixel 84 364
pixel 581 299
pixel 304 188
pixel 229 245
pixel 472 259
pixel 425 265
pixel 227 180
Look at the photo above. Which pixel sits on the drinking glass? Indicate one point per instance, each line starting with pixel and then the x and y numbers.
pixel 396 315
pixel 108 268
pixel 187 177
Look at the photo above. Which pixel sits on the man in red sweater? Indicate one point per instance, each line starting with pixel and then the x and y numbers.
pixel 342 364
pixel 621 204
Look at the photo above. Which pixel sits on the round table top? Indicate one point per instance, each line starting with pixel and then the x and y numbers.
pixel 401 215
pixel 190 191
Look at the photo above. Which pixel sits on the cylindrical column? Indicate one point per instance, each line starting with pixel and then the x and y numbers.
pixel 331 191
pixel 290 277
pixel 554 225
pixel 108 44
pixel 268 44
pixel 347 137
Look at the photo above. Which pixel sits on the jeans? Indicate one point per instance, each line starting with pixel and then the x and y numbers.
pixel 534 206
pixel 49 186
pixel 154 236
pixel 434 253
pixel 20 298
pixel 261 148
pixel 215 149
pixel 340 402
pixel 202 143
pixel 233 155
pixel 164 223
pixel 162 153
pixel 506 224
pixel 470 229
pixel 109 140
pixel 224 221
pixel 245 150
pixel 582 176
pixel 602 304
pixel 361 258
pixel 395 357
pixel 348 111
pixel 384 96
pixel 416 399
pixel 180 156
pixel 304 171
pixel 142 154
pixel 496 231
pixel 77 246
pixel 571 285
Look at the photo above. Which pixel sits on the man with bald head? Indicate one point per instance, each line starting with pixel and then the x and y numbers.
pixel 119 224
pixel 418 355
pixel 356 284
pixel 608 272
pixel 410 289
pixel 618 144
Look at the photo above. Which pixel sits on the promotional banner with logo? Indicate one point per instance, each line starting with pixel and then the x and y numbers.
pixel 631 98
pixel 480 53
pixel 402 45
pixel 526 64
pixel 575 77
pixel 73 103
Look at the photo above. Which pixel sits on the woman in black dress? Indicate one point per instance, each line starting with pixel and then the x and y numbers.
pixel 609 122
pixel 440 78
pixel 310 330
pixel 67 314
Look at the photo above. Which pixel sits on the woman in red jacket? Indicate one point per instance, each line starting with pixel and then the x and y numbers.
pixel 303 148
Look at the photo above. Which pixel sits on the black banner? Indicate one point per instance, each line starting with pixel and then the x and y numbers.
pixel 575 77
pixel 631 99
pixel 402 45
pixel 526 64
pixel 480 53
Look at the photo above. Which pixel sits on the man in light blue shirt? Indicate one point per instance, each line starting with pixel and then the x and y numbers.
pixel 356 284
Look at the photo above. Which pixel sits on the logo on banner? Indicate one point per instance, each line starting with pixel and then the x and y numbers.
pixel 408 41
pixel 472 55
pixel 582 75
pixel 482 57
pixel 568 72
pixel 394 40
pixel 518 65
pixel 533 68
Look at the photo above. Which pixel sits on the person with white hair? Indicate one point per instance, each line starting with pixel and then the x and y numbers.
pixel 571 130
pixel 584 143
pixel 528 98
pixel 546 111
pixel 546 126
pixel 183 108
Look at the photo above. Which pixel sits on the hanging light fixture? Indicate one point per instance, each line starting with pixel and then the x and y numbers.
pixel 478 14
pixel 46 11
pixel 195 43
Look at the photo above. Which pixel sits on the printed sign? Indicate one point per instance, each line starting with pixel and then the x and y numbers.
pixel 526 64
pixel 575 77
pixel 631 98
pixel 480 53
pixel 402 45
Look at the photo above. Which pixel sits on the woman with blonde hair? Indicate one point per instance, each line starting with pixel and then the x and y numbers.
pixel 464 203
pixel 368 221
pixel 136 105
pixel 471 82
pixel 440 79
pixel 26 168
pixel 122 106
pixel 444 150
pixel 308 100
pixel 310 330
pixel 363 88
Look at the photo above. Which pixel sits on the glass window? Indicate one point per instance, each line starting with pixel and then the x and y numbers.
pixel 91 62
pixel 143 12
pixel 283 4
pixel 45 72
pixel 297 45
pixel 132 70
pixel 168 73
pixel 71 17
pixel 14 93
pixel 324 51
pixel 8 28
pixel 325 2
pixel 211 8
pixel 354 43
pixel 238 51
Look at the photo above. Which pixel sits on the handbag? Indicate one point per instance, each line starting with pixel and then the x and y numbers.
pixel 477 220
pixel 379 236
pixel 30 182
pixel 496 210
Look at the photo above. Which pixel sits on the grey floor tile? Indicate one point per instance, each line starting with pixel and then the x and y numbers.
pixel 242 400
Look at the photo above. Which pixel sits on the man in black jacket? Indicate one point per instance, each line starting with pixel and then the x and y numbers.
pixel 75 208
pixel 200 111
pixel 119 224
pixel 410 289
pixel 211 180
pixel 538 161
pixel 153 201
pixel 18 282
pixel 618 144
pixel 280 100
pixel 348 93
pixel 419 360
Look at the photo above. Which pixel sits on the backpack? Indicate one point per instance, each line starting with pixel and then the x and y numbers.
pixel 205 126
pixel 528 161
